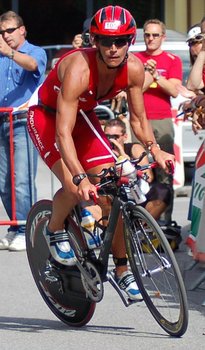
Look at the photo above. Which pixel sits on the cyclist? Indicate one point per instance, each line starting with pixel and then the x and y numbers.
pixel 68 135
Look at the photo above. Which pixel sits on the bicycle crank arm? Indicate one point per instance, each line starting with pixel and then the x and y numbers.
pixel 86 275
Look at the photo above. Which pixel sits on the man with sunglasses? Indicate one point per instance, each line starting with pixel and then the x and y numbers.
pixel 68 135
pixel 160 86
pixel 22 68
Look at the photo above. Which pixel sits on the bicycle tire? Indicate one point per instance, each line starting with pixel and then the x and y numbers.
pixel 66 297
pixel 162 288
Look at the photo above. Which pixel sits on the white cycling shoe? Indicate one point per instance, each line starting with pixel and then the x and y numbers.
pixel 59 246
pixel 127 283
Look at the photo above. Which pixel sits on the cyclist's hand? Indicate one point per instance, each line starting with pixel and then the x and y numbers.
pixel 164 159
pixel 85 188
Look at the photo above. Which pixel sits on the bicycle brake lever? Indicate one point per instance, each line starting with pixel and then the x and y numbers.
pixel 170 166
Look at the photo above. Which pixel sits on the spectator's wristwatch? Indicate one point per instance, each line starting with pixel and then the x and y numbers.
pixel 78 178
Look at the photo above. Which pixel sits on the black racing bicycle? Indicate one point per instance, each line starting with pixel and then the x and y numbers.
pixel 73 292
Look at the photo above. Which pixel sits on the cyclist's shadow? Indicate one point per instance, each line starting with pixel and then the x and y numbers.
pixel 36 325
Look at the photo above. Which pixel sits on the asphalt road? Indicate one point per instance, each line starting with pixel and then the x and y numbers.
pixel 27 323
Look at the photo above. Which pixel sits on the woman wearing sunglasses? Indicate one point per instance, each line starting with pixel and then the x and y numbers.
pixel 196 79
pixel 68 135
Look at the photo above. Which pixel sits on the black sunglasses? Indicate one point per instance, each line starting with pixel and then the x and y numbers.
pixel 109 41
pixel 9 30
pixel 155 35
pixel 114 136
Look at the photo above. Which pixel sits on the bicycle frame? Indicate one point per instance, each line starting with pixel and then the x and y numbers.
pixel 109 234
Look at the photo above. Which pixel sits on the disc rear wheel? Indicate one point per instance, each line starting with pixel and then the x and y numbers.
pixel 60 286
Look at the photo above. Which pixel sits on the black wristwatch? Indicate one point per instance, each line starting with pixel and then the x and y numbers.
pixel 78 178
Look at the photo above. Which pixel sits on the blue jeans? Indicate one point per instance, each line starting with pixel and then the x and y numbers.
pixel 25 168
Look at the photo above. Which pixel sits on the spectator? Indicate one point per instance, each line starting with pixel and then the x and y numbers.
pixel 194 40
pixel 196 80
pixel 159 86
pixel 159 195
pixel 22 67
pixel 194 106
pixel 83 39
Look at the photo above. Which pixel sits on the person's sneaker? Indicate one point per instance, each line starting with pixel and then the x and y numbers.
pixel 6 241
pixel 127 283
pixel 59 246
pixel 18 244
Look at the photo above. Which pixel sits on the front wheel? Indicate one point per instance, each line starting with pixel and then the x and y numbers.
pixel 156 270
pixel 60 286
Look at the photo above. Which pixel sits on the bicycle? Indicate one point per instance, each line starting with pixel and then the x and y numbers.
pixel 72 292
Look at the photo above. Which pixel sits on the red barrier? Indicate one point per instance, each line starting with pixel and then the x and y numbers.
pixel 13 220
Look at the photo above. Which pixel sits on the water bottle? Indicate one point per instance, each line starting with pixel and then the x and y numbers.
pixel 92 236
pixel 125 168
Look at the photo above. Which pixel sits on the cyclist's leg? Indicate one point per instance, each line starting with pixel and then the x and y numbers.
pixel 41 126
pixel 64 199
pixel 124 278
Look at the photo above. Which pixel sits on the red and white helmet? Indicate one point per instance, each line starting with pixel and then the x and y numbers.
pixel 113 21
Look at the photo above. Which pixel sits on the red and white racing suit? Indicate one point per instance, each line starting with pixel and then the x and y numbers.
pixel 41 120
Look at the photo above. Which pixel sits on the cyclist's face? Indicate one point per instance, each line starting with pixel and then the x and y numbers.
pixel 113 50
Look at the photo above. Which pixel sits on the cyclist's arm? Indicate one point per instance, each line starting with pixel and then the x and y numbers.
pixel 74 74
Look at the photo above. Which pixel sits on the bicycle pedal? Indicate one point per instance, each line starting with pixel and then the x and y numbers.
pixel 51 274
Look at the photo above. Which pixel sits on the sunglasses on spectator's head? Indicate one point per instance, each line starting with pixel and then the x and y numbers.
pixel 114 136
pixel 9 30
pixel 197 39
pixel 108 41
pixel 154 35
